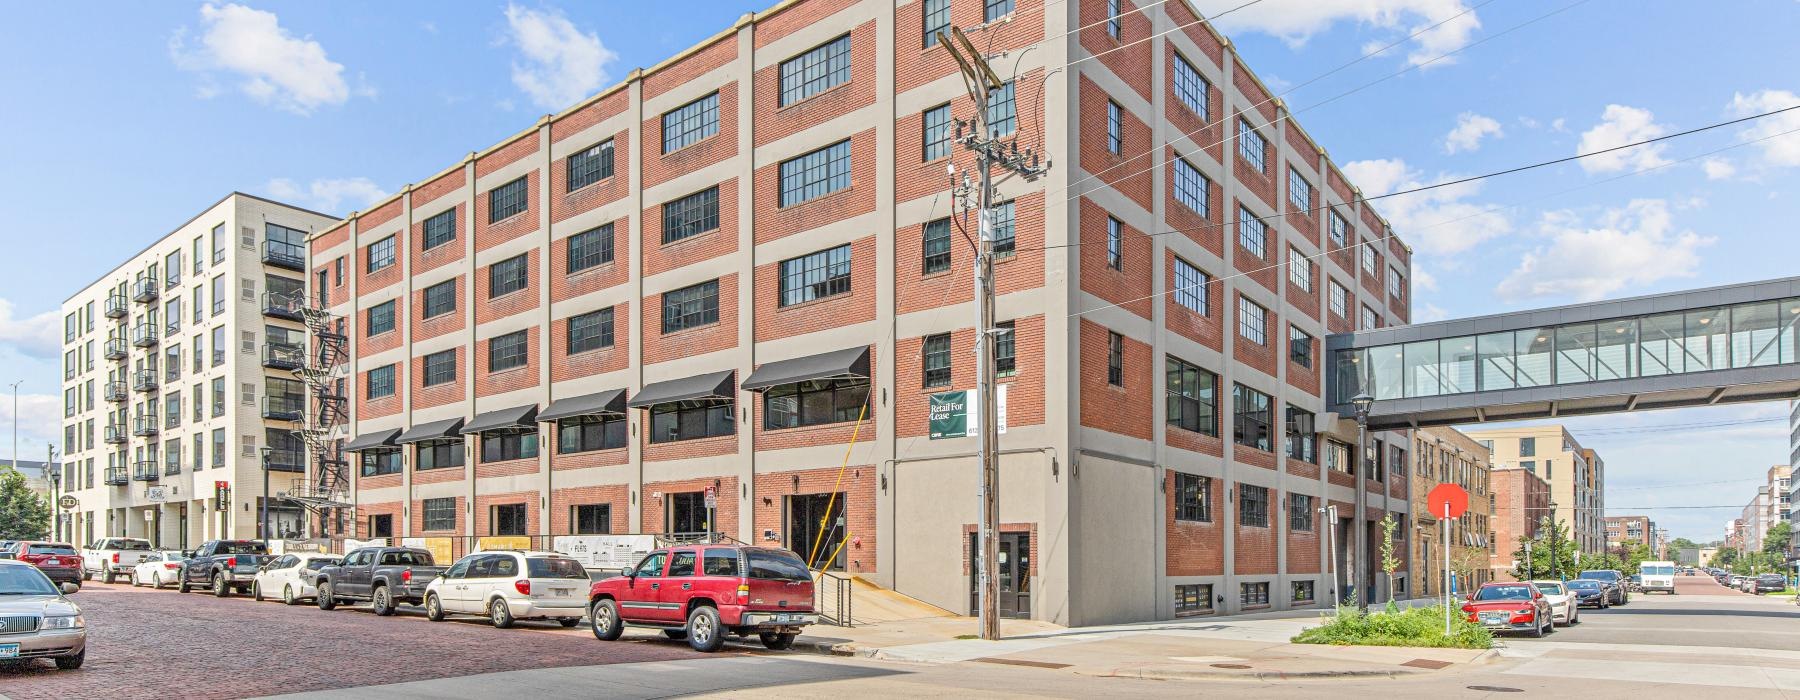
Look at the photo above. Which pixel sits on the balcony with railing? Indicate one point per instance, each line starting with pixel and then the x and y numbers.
pixel 282 305
pixel 145 290
pixel 286 461
pixel 145 426
pixel 115 349
pixel 285 255
pixel 284 407
pixel 114 392
pixel 117 306
pixel 115 434
pixel 145 335
pixel 278 355
pixel 118 476
pixel 144 380
pixel 146 470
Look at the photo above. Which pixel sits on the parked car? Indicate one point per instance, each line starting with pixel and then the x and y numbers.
pixel 223 566
pixel 1614 580
pixel 53 627
pixel 1658 576
pixel 159 569
pixel 1510 607
pixel 1589 592
pixel 702 592
pixel 57 560
pixel 1747 584
pixel 384 576
pixel 6 548
pixel 291 576
pixel 1770 583
pixel 112 557
pixel 1564 608
pixel 510 586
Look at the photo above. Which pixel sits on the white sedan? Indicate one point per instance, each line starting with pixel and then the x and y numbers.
pixel 158 569
pixel 1564 608
pixel 290 576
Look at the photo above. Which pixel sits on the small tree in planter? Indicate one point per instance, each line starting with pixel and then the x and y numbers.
pixel 1389 562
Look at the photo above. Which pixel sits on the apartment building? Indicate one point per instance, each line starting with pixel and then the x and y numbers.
pixel 1631 530
pixel 1577 476
pixel 1518 493
pixel 1793 490
pixel 1446 456
pixel 1781 503
pixel 171 391
pixel 730 295
pixel 1734 535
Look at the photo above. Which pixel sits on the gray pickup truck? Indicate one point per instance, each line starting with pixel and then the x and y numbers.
pixel 383 576
pixel 223 566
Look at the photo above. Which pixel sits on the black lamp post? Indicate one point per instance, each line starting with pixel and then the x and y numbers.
pixel 1362 402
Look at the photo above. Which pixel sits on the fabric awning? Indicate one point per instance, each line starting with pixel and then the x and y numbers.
pixel 435 430
pixel 515 417
pixel 851 362
pixel 590 404
pixel 717 385
pixel 369 441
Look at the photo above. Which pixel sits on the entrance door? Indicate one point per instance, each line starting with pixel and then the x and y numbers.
pixel 687 513
pixel 815 529
pixel 1014 570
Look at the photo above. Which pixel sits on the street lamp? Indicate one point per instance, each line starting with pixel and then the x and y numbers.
pixel 267 452
pixel 1361 402
pixel 15 417
pixel 54 474
pixel 1550 519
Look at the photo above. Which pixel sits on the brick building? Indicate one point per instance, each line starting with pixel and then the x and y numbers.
pixel 700 278
pixel 1520 500
pixel 1577 476
pixel 1444 455
pixel 1630 529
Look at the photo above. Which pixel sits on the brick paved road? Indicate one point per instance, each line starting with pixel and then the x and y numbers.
pixel 141 640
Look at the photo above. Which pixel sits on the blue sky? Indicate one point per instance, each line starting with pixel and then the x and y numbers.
pixel 118 127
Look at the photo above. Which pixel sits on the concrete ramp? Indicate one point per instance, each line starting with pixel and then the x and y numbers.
pixel 875 605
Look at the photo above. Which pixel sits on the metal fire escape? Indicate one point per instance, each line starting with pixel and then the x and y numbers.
pixel 325 490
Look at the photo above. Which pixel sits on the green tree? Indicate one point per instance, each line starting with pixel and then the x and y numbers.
pixel 1775 542
pixel 1724 558
pixel 1389 563
pixel 1541 564
pixel 23 514
pixel 1758 563
pixel 1683 543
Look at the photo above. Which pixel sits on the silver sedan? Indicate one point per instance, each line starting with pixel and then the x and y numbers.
pixel 36 620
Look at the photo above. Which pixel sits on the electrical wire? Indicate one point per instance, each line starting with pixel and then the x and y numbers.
pixel 1675 427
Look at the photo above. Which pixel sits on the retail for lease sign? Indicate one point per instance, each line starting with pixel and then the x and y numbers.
pixel 952 413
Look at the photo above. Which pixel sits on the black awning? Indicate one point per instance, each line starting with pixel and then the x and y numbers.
pixel 852 362
pixel 588 405
pixel 718 385
pixel 370 441
pixel 435 430
pixel 505 418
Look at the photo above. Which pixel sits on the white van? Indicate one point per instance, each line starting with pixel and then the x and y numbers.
pixel 1657 576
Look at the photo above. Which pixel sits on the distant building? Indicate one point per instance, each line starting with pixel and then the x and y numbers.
pixel 1631 529
pixel 36 478
pixel 1577 476
pixel 1519 499
pixel 1446 456
pixel 1734 534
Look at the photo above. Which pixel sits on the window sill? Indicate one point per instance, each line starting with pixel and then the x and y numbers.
pixel 940 273
pixel 687 331
pixel 491 298
pixel 437 469
pixel 834 194
pixel 592 351
pixel 592 270
pixel 811 302
pixel 668 246
pixel 373 336
pixel 709 138
pixel 1260 606
pixel 494 374
pixel 813 97
pixel 596 183
pixel 509 219
pixel 383 268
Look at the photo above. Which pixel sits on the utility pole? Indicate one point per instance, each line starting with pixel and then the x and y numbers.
pixel 979 78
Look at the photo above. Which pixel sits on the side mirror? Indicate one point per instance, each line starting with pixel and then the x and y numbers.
pixel 68 588
pixel 187 554
pixel 628 572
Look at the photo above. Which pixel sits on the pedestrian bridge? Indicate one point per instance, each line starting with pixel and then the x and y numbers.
pixel 1731 344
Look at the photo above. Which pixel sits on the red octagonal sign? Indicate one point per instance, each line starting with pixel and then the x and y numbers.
pixel 1448 501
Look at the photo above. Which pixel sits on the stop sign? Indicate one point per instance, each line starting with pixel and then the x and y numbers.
pixel 1448 500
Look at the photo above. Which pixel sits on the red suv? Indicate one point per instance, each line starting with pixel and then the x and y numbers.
pixel 58 561
pixel 702 592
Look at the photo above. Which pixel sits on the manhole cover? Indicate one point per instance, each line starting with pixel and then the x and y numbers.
pixel 1427 663
pixel 1235 666
pixel 1496 689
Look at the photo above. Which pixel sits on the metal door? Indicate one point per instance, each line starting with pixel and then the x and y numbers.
pixel 1014 570
pixel 815 529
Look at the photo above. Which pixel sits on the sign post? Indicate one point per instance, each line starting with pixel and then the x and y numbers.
pixel 712 502
pixel 1448 501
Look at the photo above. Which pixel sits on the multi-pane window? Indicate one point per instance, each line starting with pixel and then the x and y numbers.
pixel 1190 287
pixel 1190 88
pixel 1302 591
pixel 379 462
pixel 936 247
pixel 440 368
pixel 1253 505
pixel 591 331
pixel 1001 217
pixel 1193 498
pixel 1299 192
pixel 1300 347
pixel 1115 244
pixel 590 166
pixel 1115 127
pixel 1370 320
pixel 1252 147
pixel 1002 114
pixel 507 200
pixel 815 71
pixel 507 276
pixel 1253 233
pixel 1192 396
pixel 690 307
pixel 1340 300
pixel 690 216
pixel 936 19
pixel 816 276
pixel 1253 321
pixel 1302 444
pixel 1300 512
pixel 591 519
pixel 1193 599
pixel 440 454
pixel 381 382
pixel 588 433
pixel 1340 230
pixel 1115 359
pixel 505 446
pixel 691 420
pixel 935 126
pixel 440 513
pixel 1337 457
pixel 815 174
pixel 997 9
pixel 1299 270
pixel 440 299
pixel 1368 258
pixel 1253 415
pixel 1112 18
pixel 1006 359
pixel 1396 285
pixel 690 123
pixel 1253 594
pixel 590 248
pixel 440 229
pixel 506 351
pixel 935 365
pixel 1190 186
pixel 381 318
pixel 815 402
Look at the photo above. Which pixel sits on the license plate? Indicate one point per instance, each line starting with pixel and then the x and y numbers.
pixel 784 617
pixel 1493 618
pixel 51 562
pixel 563 592
pixel 9 651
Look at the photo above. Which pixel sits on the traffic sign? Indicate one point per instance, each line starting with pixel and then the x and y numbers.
pixel 712 497
pixel 1448 501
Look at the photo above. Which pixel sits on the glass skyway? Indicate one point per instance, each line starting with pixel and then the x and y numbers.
pixel 1726 344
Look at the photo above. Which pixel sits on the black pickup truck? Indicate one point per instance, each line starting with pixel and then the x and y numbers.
pixel 223 566
pixel 383 576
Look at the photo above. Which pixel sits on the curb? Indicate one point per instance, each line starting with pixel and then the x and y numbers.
pixel 1197 674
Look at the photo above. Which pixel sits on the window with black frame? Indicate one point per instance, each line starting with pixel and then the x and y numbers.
pixel 1302 443
pixel 815 402
pixel 508 199
pixel 1300 512
pixel 936 247
pixel 690 307
pixel 590 248
pixel 438 454
pixel 380 462
pixel 1253 505
pixel 504 445
pixel 1253 418
pixel 1006 359
pixel 1192 397
pixel 440 514
pixel 692 420
pixel 590 166
pixel 440 299
pixel 589 433
pixel 591 519
pixel 508 276
pixel 815 276
pixel 507 519
pixel 439 229
pixel 935 360
pixel 1193 498
pixel 590 331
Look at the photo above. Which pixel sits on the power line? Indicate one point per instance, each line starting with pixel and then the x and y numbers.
pixel 1674 427
pixel 1691 483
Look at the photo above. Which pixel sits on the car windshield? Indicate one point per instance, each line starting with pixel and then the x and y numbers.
pixel 554 567
pixel 1585 585
pixel 777 565
pixel 1518 592
pixel 51 549
pixel 1550 588
pixel 1658 571
pixel 1778 578
pixel 240 548
pixel 24 580
pixel 1600 575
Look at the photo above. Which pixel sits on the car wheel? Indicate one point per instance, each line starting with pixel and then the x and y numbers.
pixel 382 601
pixel 86 575
pixel 568 621
pixel 220 589
pixel 256 591
pixel 287 595
pixel 326 602
pixel 107 576
pixel 434 610
pixel 181 584
pixel 704 631
pixel 1537 632
pixel 500 613
pixel 1575 616
pixel 675 634
pixel 72 661
pixel 605 617
pixel 778 641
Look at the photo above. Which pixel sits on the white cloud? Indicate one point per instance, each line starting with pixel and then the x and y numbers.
pixel 1620 125
pixel 1559 124
pixel 1777 151
pixel 330 195
pixel 37 336
pixel 276 68
pixel 1529 123
pixel 1430 313
pixel 1423 279
pixel 40 424
pixel 561 64
pixel 1439 222
pixel 1297 22
pixel 1718 168
pixel 1634 246
pixel 1470 129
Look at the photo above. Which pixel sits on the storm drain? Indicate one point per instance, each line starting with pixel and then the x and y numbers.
pixel 1432 664
pixel 1495 689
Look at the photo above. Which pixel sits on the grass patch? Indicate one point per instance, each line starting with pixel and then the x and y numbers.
pixel 968 636
pixel 1394 627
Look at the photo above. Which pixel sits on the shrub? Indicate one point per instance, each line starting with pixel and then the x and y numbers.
pixel 1416 627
